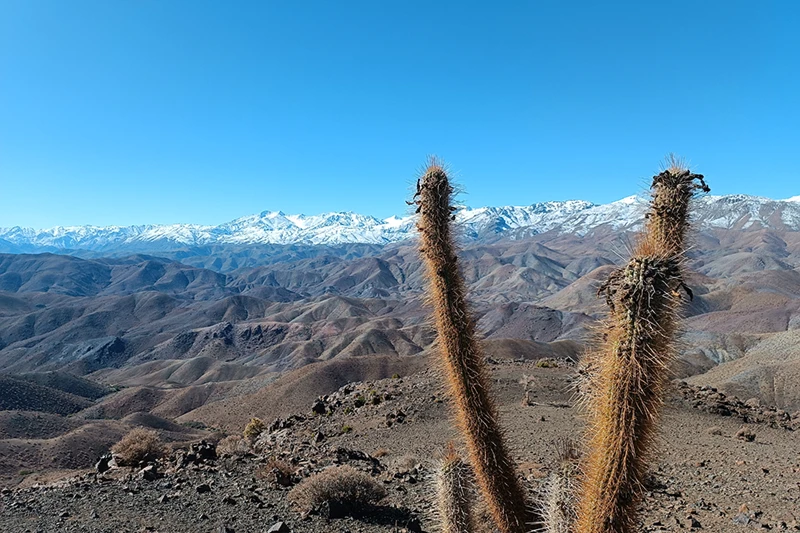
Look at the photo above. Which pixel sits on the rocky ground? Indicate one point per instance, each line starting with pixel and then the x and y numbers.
pixel 724 465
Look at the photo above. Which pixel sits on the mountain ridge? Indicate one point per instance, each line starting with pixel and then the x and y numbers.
pixel 580 217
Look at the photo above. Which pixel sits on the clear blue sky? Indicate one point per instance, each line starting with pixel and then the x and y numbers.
pixel 123 112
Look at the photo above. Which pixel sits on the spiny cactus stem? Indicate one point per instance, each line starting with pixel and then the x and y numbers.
pixel 631 378
pixel 454 494
pixel 462 360
pixel 632 365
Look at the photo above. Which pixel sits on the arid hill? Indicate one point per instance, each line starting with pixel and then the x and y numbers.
pixel 101 339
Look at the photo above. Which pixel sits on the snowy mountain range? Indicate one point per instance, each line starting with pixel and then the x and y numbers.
pixel 573 216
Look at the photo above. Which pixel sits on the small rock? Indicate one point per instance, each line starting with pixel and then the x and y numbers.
pixel 692 523
pixel 753 403
pixel 163 498
pixel 148 473
pixel 204 451
pixel 741 519
pixel 203 488
pixel 63 514
pixel 279 527
pixel 332 510
pixel 745 434
pixel 318 407
pixel 104 464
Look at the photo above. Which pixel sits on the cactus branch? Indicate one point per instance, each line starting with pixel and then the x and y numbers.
pixel 462 359
pixel 454 494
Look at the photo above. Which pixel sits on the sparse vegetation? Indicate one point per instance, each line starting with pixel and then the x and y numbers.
pixel 346 429
pixel 341 485
pixel 277 471
pixel 404 463
pixel 380 452
pixel 139 445
pixel 233 446
pixel 253 429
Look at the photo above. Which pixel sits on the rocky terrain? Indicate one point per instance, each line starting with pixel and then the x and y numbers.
pixel 193 340
pixel 710 475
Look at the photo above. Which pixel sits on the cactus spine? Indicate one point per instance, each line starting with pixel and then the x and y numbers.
pixel 454 494
pixel 633 362
pixel 558 504
pixel 462 359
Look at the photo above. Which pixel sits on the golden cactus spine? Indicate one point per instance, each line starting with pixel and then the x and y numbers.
pixel 454 494
pixel 632 364
pixel 462 359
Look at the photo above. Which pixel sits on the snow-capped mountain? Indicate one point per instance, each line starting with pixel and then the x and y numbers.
pixel 574 216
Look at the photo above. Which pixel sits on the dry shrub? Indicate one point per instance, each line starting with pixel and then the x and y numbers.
pixel 138 445
pixel 277 471
pixel 233 446
pixel 342 485
pixel 253 429
pixel 404 463
pixel 380 452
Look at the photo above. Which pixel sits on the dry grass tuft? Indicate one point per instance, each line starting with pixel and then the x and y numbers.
pixel 342 486
pixel 277 471
pixel 233 446
pixel 381 452
pixel 137 446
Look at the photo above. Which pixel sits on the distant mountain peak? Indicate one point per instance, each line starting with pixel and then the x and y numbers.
pixel 736 211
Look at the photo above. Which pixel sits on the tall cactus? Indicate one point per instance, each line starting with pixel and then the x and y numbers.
pixel 462 359
pixel 454 494
pixel 632 364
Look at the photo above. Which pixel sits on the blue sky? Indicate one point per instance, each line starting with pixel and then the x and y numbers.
pixel 143 111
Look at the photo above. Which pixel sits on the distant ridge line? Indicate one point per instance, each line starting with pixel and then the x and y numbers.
pixel 736 211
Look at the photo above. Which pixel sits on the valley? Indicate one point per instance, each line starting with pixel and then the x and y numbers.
pixel 195 340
